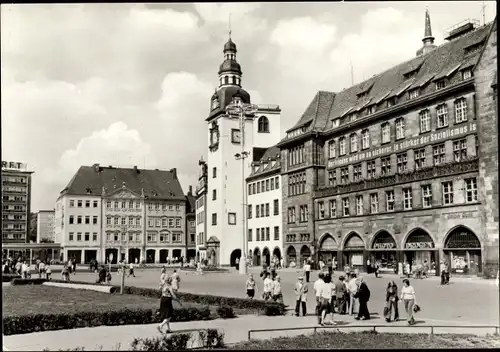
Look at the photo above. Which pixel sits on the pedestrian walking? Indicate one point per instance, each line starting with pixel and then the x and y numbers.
pixel 391 299
pixel 131 269
pixel 376 269
pixel 237 264
pixel 277 294
pixel 363 296
pixel 441 268
pixel 251 286
pixel 101 275
pixel 407 270
pixel 300 296
pixel 353 289
pixel 341 290
pixel 317 293
pixel 326 293
pixel 48 271
pixel 166 307
pixel 65 273
pixel 409 299
pixel 175 281
pixel 307 270
pixel 41 269
pixel 446 274
pixel 268 287
pixel 273 269
pixel 199 268
pixel 330 266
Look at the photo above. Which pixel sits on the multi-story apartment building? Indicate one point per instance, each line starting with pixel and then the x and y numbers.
pixel 45 226
pixel 201 217
pixel 16 202
pixel 224 197
pixel 111 214
pixel 190 225
pixel 394 169
pixel 265 238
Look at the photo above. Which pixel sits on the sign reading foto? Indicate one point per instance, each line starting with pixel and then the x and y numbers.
pixel 383 246
pixel 408 143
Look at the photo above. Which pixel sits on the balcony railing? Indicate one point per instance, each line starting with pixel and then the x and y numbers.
pixel 443 170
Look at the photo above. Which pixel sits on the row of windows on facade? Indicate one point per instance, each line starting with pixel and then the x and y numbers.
pixel 231 218
pixel 392 101
pixel 200 217
pixel 136 237
pixel 81 218
pixel 14 198
pixel 447 193
pixel 304 237
pixel 14 179
pixel 14 207
pixel 262 210
pixel 230 80
pixel 13 226
pixel 123 205
pixel 400 125
pixel 264 234
pixel 13 236
pixel 420 161
pixel 14 189
pixel 86 236
pixel 13 217
pixel 200 238
pixel 264 185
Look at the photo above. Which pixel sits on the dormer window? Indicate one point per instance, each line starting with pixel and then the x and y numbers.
pixel 410 74
pixel 215 103
pixel 412 94
pixel 466 74
pixel 354 117
pixel 391 102
pixel 473 48
pixel 440 84
pixel 370 110
pixel 335 123
pixel 362 95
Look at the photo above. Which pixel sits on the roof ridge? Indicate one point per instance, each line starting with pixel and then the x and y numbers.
pixel 423 57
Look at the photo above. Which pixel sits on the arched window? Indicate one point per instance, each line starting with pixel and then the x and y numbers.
pixel 342 146
pixel 331 149
pixel 226 80
pixel 263 124
pixel 400 128
pixel 365 139
pixel 354 143
pixel 233 80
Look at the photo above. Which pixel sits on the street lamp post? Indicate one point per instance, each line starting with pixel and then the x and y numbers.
pixel 242 109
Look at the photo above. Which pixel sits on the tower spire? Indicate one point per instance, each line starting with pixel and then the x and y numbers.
pixel 428 30
pixel 230 25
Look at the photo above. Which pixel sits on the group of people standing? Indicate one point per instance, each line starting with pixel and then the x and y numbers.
pixel 272 287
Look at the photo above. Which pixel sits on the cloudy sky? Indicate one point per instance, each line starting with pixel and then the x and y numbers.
pixel 127 84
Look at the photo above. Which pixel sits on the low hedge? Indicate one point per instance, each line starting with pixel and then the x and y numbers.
pixel 13 325
pixel 266 308
pixel 34 281
pixel 206 269
pixel 10 277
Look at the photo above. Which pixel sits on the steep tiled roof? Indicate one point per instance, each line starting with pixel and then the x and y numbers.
pixel 392 82
pixel 191 205
pixel 156 184
pixel 266 162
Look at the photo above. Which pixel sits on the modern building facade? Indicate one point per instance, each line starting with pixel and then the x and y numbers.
pixel 265 237
pixel 225 177
pixel 394 169
pixel 45 232
pixel 131 214
pixel 16 202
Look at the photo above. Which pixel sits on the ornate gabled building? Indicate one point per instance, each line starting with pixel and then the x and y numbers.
pixel 265 236
pixel 131 214
pixel 222 233
pixel 403 166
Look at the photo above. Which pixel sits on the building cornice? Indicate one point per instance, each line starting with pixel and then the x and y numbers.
pixel 276 171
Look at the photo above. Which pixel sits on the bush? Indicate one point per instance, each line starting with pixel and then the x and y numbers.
pixel 183 341
pixel 10 277
pixel 211 268
pixel 35 281
pixel 274 309
pixel 24 324
pixel 225 312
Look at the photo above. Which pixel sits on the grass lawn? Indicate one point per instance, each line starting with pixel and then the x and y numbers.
pixel 369 340
pixel 41 299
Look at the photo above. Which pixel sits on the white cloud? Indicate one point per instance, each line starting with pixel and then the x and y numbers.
pixel 211 12
pixel 303 33
pixel 387 37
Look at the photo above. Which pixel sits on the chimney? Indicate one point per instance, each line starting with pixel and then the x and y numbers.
pixel 96 167
pixel 190 192
pixel 136 169
pixel 174 172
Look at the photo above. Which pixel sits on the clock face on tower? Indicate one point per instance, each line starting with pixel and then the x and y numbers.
pixel 214 138
pixel 235 136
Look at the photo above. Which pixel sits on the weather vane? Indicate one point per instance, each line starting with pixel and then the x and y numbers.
pixel 229 25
